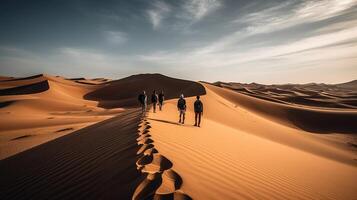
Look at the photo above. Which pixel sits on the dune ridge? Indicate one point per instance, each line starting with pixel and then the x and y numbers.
pixel 323 96
pixel 239 153
pixel 161 181
pixel 312 119
pixel 253 143
pixel 41 105
pixel 96 162
pixel 123 92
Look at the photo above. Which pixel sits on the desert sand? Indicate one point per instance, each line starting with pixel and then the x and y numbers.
pixel 86 139
pixel 40 108
pixel 239 153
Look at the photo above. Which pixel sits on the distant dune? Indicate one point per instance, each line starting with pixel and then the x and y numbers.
pixel 288 104
pixel 39 106
pixel 123 92
pixel 342 95
pixel 85 138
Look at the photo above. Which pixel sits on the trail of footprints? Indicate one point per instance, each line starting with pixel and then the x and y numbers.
pixel 161 181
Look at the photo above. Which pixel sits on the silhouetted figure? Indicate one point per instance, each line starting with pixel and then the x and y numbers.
pixel 161 99
pixel 181 106
pixel 154 100
pixel 142 98
pixel 198 106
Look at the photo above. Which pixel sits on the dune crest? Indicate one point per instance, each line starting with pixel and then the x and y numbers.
pixel 82 138
pixel 44 107
pixel 161 181
pixel 240 153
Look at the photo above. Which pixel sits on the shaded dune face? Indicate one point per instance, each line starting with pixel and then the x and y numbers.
pixel 124 92
pixel 92 163
pixel 26 89
pixel 317 119
pixel 44 107
pixel 315 95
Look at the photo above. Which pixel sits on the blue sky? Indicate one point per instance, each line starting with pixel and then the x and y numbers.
pixel 271 41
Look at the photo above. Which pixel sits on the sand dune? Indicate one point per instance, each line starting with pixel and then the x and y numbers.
pixel 240 153
pixel 97 162
pixel 312 119
pixel 256 141
pixel 38 107
pixel 123 92
pixel 161 181
pixel 314 95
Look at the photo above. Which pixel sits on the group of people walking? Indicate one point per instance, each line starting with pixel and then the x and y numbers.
pixel 158 99
pixel 155 99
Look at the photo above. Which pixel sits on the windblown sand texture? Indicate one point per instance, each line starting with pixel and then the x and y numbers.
pixel 86 139
pixel 242 153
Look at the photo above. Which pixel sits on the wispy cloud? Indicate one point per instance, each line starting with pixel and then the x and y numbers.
pixel 209 36
pixel 287 15
pixel 157 13
pixel 323 46
pixel 79 55
pixel 279 17
pixel 197 9
pixel 115 37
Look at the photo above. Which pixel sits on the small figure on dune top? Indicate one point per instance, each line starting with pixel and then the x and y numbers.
pixel 161 99
pixel 198 107
pixel 181 106
pixel 154 100
pixel 142 98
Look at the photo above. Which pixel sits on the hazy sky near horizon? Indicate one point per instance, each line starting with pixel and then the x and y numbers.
pixel 265 41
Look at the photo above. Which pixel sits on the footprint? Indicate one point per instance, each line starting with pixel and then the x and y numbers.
pixel 144 129
pixel 171 182
pixel 150 151
pixel 178 195
pixel 174 196
pixel 161 182
pixel 144 160
pixel 144 132
pixel 146 141
pixel 143 136
pixel 144 147
pixel 144 122
pixel 147 188
pixel 158 164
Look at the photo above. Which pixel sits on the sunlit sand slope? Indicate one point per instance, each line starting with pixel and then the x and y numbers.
pixel 239 153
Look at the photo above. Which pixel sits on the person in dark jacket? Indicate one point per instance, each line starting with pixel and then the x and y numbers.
pixel 154 100
pixel 198 107
pixel 181 106
pixel 161 99
pixel 142 98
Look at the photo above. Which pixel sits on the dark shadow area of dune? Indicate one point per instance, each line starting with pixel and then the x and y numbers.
pixel 76 79
pixel 124 92
pixel 26 89
pixel 316 120
pixel 24 78
pixel 96 162
pixel 315 95
pixel 6 103
pixel 324 121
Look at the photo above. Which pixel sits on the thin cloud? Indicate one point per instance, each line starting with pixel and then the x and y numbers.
pixel 197 9
pixel 210 37
pixel 288 15
pixel 279 17
pixel 158 13
pixel 226 58
pixel 116 37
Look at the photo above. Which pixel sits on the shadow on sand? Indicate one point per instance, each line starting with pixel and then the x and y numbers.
pixel 164 121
